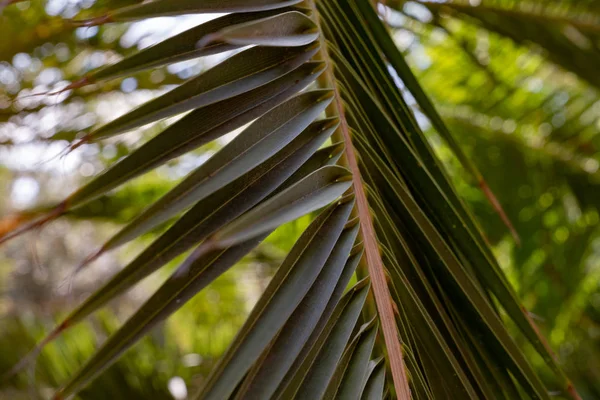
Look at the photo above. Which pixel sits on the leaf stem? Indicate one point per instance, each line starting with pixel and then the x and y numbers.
pixel 373 257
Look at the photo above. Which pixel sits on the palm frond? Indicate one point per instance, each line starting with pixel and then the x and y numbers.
pixel 385 209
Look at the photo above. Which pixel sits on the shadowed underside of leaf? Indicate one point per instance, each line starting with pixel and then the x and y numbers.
pixel 432 327
pixel 238 74
pixel 212 213
pixel 291 379
pixel 286 29
pixel 181 47
pixel 291 282
pixel 167 299
pixel 268 374
pixel 199 127
pixel 375 384
pixel 159 8
pixel 263 138
pixel 351 372
pixel 312 378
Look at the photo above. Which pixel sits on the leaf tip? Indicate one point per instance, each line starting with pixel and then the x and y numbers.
pixel 16 225
pixel 99 20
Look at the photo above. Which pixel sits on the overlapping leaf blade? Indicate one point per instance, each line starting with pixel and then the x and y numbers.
pixel 263 382
pixel 351 372
pixel 313 192
pixel 238 74
pixel 183 285
pixel 374 27
pixel 312 378
pixel 180 47
pixel 375 385
pixel 468 286
pixel 160 8
pixel 192 131
pixel 286 29
pixel 476 250
pixel 255 144
pixel 348 71
pixel 281 171
pixel 286 290
pixel 292 378
pixel 198 128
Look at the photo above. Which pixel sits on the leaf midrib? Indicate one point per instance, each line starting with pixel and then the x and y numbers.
pixel 374 262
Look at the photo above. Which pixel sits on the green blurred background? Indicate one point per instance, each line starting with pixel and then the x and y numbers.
pixel 519 91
